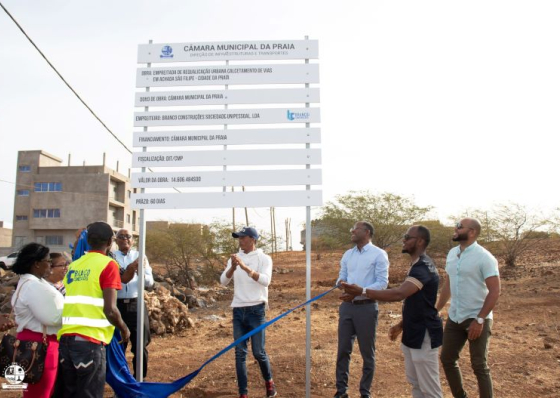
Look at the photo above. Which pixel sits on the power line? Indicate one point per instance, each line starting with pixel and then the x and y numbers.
pixel 68 85
pixel 62 78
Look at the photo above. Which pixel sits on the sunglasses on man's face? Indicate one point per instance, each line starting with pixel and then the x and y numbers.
pixel 461 226
pixel 124 237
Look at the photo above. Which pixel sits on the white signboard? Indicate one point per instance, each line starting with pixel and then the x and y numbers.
pixel 221 97
pixel 228 50
pixel 226 157
pixel 210 200
pixel 226 178
pixel 226 137
pixel 227 116
pixel 227 74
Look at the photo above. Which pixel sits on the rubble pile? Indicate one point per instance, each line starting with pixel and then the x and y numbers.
pixel 168 303
pixel 167 313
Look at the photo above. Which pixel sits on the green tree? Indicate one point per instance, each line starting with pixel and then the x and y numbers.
pixel 225 244
pixel 440 237
pixel 513 228
pixel 389 213
pixel 184 249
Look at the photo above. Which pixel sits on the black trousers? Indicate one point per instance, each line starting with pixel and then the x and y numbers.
pixel 82 368
pixel 129 310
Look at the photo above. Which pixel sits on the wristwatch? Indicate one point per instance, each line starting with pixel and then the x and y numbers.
pixel 480 321
pixel 364 292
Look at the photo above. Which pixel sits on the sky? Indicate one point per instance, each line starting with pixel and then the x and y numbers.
pixel 454 104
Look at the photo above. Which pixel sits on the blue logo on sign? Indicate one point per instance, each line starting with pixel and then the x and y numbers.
pixel 166 52
pixel 297 115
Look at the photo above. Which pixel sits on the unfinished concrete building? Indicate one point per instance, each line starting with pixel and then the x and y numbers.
pixel 53 201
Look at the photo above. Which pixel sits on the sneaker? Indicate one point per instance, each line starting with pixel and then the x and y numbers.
pixel 243 396
pixel 270 389
pixel 343 395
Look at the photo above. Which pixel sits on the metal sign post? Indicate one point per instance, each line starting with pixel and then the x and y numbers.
pixel 140 300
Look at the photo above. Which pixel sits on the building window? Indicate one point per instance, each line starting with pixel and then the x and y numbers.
pixel 19 241
pixel 23 192
pixel 46 213
pixel 129 194
pixel 24 168
pixel 55 240
pixel 48 187
pixel 128 218
pixel 21 218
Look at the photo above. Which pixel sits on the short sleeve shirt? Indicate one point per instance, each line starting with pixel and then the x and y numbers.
pixel 419 309
pixel 468 272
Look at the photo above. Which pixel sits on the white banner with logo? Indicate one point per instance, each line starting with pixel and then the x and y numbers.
pixel 233 116
pixel 228 50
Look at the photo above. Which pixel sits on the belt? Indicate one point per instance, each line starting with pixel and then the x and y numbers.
pixel 127 300
pixel 362 302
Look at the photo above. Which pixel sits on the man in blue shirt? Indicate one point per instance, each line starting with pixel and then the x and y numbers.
pixel 421 326
pixel 127 297
pixel 473 284
pixel 368 266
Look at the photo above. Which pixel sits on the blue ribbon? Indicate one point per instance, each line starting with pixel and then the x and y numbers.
pixel 124 384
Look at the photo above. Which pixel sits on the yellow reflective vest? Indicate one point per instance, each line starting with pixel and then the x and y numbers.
pixel 83 305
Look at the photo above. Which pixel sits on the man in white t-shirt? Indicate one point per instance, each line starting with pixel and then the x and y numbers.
pixel 251 271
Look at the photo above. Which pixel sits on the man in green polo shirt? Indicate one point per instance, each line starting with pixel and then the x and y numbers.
pixel 473 284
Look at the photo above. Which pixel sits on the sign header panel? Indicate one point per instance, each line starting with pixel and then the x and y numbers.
pixel 226 137
pixel 226 157
pixel 227 116
pixel 212 200
pixel 227 74
pixel 221 97
pixel 194 179
pixel 228 50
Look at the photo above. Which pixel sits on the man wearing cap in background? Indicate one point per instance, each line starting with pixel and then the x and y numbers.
pixel 127 297
pixel 251 271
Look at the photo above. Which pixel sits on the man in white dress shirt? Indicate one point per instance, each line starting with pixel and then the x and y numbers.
pixel 127 297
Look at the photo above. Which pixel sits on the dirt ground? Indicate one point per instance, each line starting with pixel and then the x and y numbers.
pixel 524 352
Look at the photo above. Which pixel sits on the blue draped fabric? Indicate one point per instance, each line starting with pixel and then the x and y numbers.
pixel 124 384
pixel 81 247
